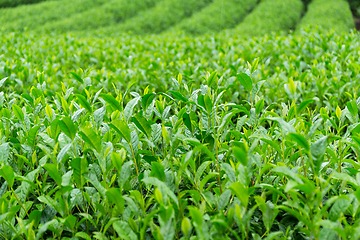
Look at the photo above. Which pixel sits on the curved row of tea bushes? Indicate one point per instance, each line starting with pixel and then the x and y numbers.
pixel 110 13
pixel 164 15
pixel 35 16
pixel 328 14
pixel 271 16
pixel 219 15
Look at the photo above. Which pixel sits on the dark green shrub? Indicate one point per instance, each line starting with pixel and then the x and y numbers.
pixel 219 15
pixel 164 15
pixel 354 4
pixel 328 14
pixel 306 2
pixel 112 12
pixel 14 3
pixel 271 16
pixel 35 16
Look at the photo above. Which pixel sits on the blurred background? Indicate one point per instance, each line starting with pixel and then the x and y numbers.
pixel 193 17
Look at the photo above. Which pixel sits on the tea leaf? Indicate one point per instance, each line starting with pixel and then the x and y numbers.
pixel 178 96
pixel 224 199
pixel 129 108
pixel 122 128
pixel 91 138
pixel 142 124
pixel 299 139
pixel 79 167
pixel 77 77
pixel 2 81
pixel 240 155
pixel 186 226
pixel 245 80
pixel 111 100
pixel 68 127
pixel 292 86
pixel 4 152
pixel 83 102
pixel 338 209
pixel 212 79
pixel 53 172
pixel 157 170
pixel 8 174
pixel 241 193
pixel 146 100
pixel 18 112
pixel 32 135
pixel 338 112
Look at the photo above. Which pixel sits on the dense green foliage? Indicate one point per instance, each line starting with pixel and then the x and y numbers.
pixel 219 15
pixel 14 3
pixel 110 13
pixel 161 17
pixel 177 137
pixel 170 137
pixel 328 14
pixel 36 15
pixel 271 16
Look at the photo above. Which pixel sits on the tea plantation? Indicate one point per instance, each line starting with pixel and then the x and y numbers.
pixel 245 127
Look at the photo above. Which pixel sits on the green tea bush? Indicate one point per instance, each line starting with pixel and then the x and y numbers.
pixel 35 16
pixel 218 15
pixel 110 13
pixel 161 17
pixel 328 15
pixel 271 16
pixel 14 3
pixel 171 137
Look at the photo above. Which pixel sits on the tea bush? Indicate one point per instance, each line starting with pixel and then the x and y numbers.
pixel 175 17
pixel 164 137
pixel 219 15
pixel 328 15
pixel 14 3
pixel 164 15
pixel 35 16
pixel 110 13
pixel 271 16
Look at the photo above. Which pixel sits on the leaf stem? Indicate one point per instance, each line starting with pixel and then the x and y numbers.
pixel 19 201
pixel 302 161
pixel 136 167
